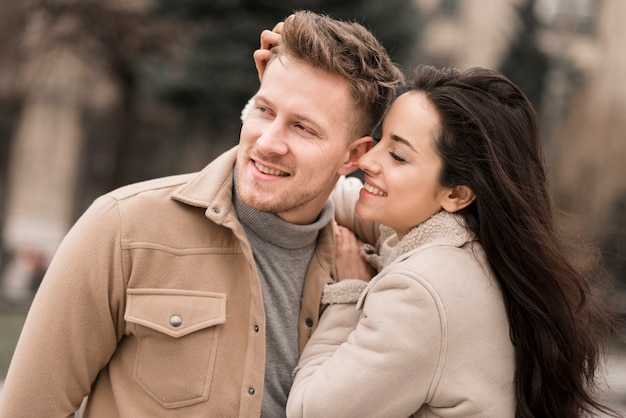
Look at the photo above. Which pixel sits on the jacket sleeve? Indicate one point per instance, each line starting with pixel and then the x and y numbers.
pixel 344 196
pixel 74 322
pixel 388 366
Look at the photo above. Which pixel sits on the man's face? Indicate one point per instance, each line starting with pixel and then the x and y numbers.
pixel 295 141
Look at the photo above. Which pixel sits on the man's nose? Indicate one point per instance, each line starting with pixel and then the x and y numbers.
pixel 273 139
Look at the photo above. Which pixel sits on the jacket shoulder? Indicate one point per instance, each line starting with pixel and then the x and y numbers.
pixel 440 260
pixel 163 184
pixel 451 272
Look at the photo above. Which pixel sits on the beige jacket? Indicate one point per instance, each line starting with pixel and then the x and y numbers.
pixel 431 336
pixel 152 307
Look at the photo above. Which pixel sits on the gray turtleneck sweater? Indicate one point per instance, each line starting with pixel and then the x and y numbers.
pixel 282 252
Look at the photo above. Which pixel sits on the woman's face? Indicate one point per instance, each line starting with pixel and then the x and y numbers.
pixel 402 171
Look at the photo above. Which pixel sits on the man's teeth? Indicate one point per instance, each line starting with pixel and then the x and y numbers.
pixel 374 190
pixel 271 171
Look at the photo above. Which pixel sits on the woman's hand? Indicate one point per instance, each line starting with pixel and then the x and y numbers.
pixel 350 264
pixel 269 39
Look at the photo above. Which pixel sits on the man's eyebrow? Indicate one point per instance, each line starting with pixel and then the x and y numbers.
pixel 260 97
pixel 402 141
pixel 307 120
pixel 297 115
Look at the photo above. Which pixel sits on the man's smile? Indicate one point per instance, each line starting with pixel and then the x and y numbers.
pixel 267 170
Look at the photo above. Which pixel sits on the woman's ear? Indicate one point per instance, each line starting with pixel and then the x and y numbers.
pixel 458 197
pixel 357 149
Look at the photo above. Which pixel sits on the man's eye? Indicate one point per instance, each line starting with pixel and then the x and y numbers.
pixel 265 111
pixel 304 129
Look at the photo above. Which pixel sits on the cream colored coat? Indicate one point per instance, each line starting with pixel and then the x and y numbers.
pixel 431 336
pixel 153 307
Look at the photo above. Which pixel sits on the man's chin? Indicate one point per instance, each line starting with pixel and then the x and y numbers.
pixel 263 203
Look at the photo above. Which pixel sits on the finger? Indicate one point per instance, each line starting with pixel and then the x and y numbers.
pixel 343 231
pixel 353 243
pixel 269 39
pixel 262 55
pixel 337 231
pixel 347 233
pixel 342 243
pixel 335 226
pixel 347 242
pixel 279 27
pixel 341 237
pixel 261 58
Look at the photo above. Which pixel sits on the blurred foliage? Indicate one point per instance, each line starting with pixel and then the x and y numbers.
pixel 10 327
pixel 218 76
pixel 182 71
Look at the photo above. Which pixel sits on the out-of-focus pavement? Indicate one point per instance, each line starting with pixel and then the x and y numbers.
pixel 615 395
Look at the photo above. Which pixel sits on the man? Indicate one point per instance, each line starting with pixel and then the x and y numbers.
pixel 193 295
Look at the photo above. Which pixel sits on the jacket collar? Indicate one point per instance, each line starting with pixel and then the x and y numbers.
pixel 211 188
pixel 443 228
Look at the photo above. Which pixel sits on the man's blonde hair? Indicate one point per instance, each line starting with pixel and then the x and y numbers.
pixel 349 50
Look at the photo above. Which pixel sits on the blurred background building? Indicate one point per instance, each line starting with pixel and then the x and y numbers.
pixel 568 56
pixel 95 94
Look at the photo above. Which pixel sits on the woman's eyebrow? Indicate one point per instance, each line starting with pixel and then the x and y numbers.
pixel 403 141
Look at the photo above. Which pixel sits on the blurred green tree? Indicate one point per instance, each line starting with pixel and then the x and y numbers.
pixel 217 75
pixel 182 71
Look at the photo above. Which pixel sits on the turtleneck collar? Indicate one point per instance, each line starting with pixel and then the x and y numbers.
pixel 271 228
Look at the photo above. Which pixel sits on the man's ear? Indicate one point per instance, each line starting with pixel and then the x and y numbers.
pixel 357 149
pixel 457 198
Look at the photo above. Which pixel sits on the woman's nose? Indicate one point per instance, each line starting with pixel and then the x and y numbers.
pixel 369 162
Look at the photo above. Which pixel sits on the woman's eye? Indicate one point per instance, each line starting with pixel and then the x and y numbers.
pixel 396 157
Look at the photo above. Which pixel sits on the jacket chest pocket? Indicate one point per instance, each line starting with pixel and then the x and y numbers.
pixel 178 333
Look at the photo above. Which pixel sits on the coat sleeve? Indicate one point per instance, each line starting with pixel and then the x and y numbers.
pixel 388 366
pixel 74 322
pixel 344 196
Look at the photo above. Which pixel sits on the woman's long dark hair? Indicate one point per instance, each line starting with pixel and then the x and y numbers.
pixel 490 142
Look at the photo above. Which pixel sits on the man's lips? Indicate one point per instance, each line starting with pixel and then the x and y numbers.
pixel 268 170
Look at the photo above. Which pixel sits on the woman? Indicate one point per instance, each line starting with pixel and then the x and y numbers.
pixel 476 310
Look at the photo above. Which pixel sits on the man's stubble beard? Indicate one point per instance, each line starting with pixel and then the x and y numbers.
pixel 287 202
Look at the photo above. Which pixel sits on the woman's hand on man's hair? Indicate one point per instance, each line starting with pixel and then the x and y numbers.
pixel 269 39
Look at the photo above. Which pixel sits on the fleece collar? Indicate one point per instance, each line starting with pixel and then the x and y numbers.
pixel 443 228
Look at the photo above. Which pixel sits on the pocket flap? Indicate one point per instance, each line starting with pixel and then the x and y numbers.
pixel 175 312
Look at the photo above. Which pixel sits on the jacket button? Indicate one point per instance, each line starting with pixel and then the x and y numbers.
pixel 256 328
pixel 176 321
pixel 309 322
pixel 215 211
pixel 251 391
